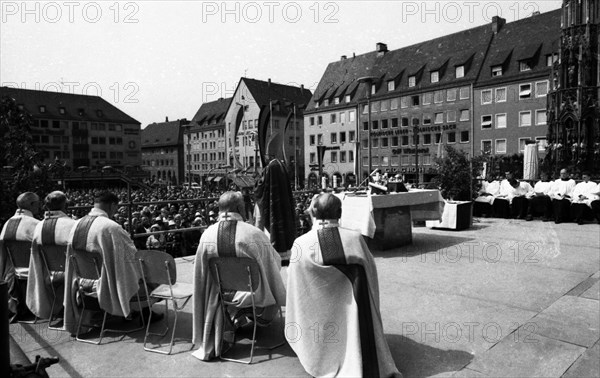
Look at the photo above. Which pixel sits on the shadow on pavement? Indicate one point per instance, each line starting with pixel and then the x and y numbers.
pixel 419 360
pixel 422 244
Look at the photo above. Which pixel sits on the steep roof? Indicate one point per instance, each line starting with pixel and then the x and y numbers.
pixel 211 113
pixel 263 91
pixel 76 106
pixel 161 134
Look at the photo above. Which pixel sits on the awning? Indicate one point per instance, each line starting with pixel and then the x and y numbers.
pixel 217 179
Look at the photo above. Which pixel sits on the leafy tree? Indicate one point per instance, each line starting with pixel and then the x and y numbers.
pixel 22 165
pixel 456 175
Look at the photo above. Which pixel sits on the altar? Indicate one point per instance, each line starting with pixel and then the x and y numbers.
pixel 387 219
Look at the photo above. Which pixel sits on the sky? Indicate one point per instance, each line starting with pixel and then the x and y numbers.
pixel 156 59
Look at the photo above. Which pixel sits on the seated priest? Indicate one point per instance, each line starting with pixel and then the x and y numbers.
pixel 19 228
pixel 502 201
pixel 539 200
pixel 232 236
pixel 490 188
pixel 583 196
pixel 52 231
pixel 518 198
pixel 332 283
pixel 561 194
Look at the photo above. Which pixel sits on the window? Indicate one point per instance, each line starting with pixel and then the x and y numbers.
pixel 312 158
pixel 384 123
pixel 451 94
pixel 375 125
pixel 464 93
pixel 426 119
pixel 525 119
pixel 350 156
pixel 412 81
pixel 336 100
pixel 375 107
pixel 524 65
pixel 427 139
pixel 391 85
pixel 439 117
pixel 542 143
pixel 342 156
pixel 486 146
pixel 375 142
pixel 486 122
pixel 385 161
pixel 395 161
pixel 394 122
pixel 464 115
pixel 351 136
pixel 540 117
pixel 427 98
pixel 395 141
pixel 524 91
pixel 496 71
pixel 541 88
pixel 501 121
pixel 414 100
pixel 438 138
pixel 486 96
pixel 365 161
pixel 404 102
pixel 438 97
pixel 319 120
pixel 333 138
pixel 394 104
pixel 451 116
pixel 320 139
pixel 373 89
pixel 352 116
pixel 464 136
pixel 435 76
pixel 342 118
pixel 332 118
pixel 385 104
pixel 500 94
pixel 404 140
pixel 451 137
pixel 61 110
pixel 44 124
pixel 312 121
pixel 312 140
pixel 522 142
pixel 404 121
pixel 500 146
pixel 343 137
pixel 334 156
pixel 550 59
pixel 384 142
pixel 365 143
pixel 459 71
pixel 348 98
pixel 42 109
pixel 56 124
pixel 365 109
pixel 325 103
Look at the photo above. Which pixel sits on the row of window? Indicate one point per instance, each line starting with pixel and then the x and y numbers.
pixel 427 119
pixel 409 140
pixel 158 162
pixel 394 161
pixel 499 95
pixel 62 110
pixel 524 65
pixel 333 138
pixel 210 134
pixel 45 139
pixel 501 145
pixel 345 157
pixel 333 118
pixel 111 155
pixel 206 156
pixel 103 140
pixel 77 125
pixel 498 121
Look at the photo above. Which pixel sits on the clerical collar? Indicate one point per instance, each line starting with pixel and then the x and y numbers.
pixel 55 214
pixel 565 179
pixel 24 212
pixel 227 215
pixel 326 223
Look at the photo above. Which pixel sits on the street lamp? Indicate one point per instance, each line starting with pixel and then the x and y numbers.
pixel 369 80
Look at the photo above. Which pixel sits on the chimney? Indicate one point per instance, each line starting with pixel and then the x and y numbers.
pixel 497 23
pixel 343 57
pixel 536 13
pixel 166 119
pixel 353 55
pixel 381 47
pixel 302 87
pixel 269 81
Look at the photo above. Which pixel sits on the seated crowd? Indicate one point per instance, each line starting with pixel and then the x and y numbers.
pixel 561 200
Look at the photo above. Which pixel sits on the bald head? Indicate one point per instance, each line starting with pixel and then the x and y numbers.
pixel 327 206
pixel 56 201
pixel 29 201
pixel 232 202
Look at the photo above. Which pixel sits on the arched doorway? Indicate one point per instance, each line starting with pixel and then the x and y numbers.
pixel 313 181
pixel 350 179
pixel 336 180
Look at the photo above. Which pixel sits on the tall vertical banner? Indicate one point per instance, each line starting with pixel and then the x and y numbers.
pixel 264 118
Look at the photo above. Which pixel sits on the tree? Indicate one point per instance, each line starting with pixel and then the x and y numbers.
pixel 22 164
pixel 456 175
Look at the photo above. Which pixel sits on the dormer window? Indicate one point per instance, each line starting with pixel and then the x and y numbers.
pixel 42 109
pixel 435 76
pixel 348 98
pixel 80 111
pixel 373 89
pixel 460 71
pixel 412 81
pixel 326 102
pixel 391 85
pixel 336 100
pixel 99 113
pixel 524 65
pixel 61 110
pixel 496 71
pixel 317 105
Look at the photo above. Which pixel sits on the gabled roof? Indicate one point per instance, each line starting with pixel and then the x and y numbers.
pixel 263 91
pixel 210 111
pixel 75 106
pixel 162 134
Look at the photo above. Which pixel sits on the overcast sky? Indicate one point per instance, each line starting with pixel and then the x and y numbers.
pixel 154 59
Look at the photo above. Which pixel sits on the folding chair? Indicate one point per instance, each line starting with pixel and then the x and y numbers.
pixel 54 259
pixel 87 267
pixel 19 253
pixel 158 268
pixel 239 274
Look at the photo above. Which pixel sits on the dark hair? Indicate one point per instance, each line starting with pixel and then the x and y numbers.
pixel 56 201
pixel 106 197
pixel 327 206
pixel 513 182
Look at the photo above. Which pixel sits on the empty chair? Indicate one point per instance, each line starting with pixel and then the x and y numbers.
pixel 19 254
pixel 158 270
pixel 238 274
pixel 87 267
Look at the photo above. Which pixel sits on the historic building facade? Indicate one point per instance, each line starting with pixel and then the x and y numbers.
pixel 80 130
pixel 162 151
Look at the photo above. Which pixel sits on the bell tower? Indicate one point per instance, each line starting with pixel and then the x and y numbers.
pixel 573 110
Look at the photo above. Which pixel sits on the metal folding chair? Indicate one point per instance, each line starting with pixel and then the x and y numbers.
pixel 238 274
pixel 159 270
pixel 19 253
pixel 88 268
pixel 54 260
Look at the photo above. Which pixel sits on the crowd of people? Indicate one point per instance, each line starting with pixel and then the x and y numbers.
pixel 561 200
